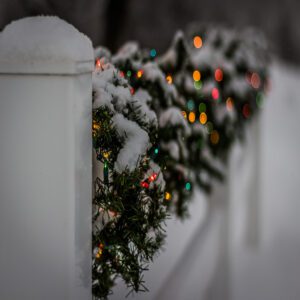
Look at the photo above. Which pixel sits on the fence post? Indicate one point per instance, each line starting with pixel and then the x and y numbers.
pixel 45 161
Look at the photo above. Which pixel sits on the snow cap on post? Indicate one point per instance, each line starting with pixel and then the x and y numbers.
pixel 44 45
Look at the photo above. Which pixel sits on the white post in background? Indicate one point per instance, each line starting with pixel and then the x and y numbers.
pixel 253 229
pixel 45 161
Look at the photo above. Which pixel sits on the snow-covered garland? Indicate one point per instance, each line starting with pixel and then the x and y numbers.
pixel 128 186
pixel 221 75
pixel 161 126
pixel 171 151
pixel 217 78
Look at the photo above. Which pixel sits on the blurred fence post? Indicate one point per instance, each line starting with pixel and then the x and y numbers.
pixel 254 199
pixel 45 161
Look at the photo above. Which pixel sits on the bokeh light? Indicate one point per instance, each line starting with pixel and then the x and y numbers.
pixel 219 75
pixel 128 73
pixel 197 42
pixel 215 93
pixel 169 79
pixel 214 137
pixel 106 154
pixel 98 63
pixel 152 53
pixel 198 85
pixel 192 117
pixel 255 80
pixel 203 118
pixel 196 75
pixel 139 73
pixel 246 110
pixel 168 196
pixel 229 104
pixel 184 114
pixel 202 107
pixel 191 104
pixel 188 186
pixel 145 184
pixel 96 126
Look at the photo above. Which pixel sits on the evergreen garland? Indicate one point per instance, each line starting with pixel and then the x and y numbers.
pixel 222 81
pixel 218 87
pixel 172 119
pixel 143 72
pixel 127 207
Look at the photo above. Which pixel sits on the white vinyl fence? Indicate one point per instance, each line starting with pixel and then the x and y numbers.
pixel 45 161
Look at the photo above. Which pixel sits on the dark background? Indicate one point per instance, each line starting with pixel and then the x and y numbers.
pixel 153 22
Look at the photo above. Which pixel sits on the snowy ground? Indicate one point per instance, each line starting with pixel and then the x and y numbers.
pixel 246 249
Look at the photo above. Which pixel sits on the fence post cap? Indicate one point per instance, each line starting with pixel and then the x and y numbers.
pixel 44 45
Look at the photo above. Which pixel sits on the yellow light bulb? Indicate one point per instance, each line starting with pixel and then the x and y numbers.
pixel 169 79
pixel 168 196
pixel 203 118
pixel 106 154
pixel 96 126
pixel 192 117
pixel 196 75
pixel 139 73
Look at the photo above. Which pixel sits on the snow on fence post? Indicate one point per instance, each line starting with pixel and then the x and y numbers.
pixel 45 161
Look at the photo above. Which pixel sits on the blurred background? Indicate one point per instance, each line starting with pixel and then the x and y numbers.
pixel 153 23
pixel 247 245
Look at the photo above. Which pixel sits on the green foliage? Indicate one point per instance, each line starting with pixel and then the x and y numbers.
pixel 173 131
pixel 237 56
pixel 130 207
pixel 127 217
pixel 240 60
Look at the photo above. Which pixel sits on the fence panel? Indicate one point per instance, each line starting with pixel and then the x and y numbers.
pixel 46 161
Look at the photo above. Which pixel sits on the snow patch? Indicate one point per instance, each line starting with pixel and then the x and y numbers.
pixel 44 38
pixel 173 116
pixel 137 143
